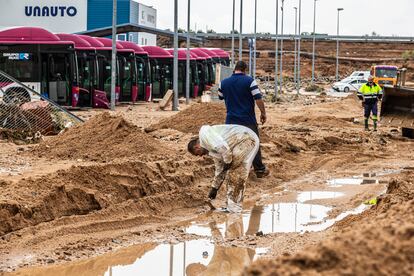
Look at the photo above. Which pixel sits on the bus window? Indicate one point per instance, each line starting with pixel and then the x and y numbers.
pixel 87 80
pixel 141 78
pixel 22 67
pixel 58 77
pixel 181 78
pixel 155 73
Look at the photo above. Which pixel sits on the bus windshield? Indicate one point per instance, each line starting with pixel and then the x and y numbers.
pixel 386 73
pixel 22 66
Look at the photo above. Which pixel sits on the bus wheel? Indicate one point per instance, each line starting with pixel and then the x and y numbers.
pixel 408 132
pixel 16 95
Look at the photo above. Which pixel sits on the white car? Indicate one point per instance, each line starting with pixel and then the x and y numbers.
pixel 359 75
pixel 348 85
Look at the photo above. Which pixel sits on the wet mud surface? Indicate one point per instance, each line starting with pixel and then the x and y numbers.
pixel 125 196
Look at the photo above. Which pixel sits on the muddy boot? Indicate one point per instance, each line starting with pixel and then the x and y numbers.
pixel 366 125
pixel 262 173
pixel 375 125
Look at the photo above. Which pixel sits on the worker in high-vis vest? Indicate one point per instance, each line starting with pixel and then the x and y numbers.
pixel 370 93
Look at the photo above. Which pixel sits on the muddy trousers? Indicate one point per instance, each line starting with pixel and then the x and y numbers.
pixel 371 106
pixel 257 161
pixel 236 177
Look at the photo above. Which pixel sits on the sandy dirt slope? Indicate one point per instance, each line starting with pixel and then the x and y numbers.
pixel 109 184
pixel 354 56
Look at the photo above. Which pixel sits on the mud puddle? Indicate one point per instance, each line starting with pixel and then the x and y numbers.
pixel 286 217
pixel 313 195
pixel 184 258
pixel 206 254
pixel 364 179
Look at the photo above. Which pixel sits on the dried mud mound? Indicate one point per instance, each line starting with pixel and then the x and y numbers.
pixel 104 137
pixel 191 119
pixel 139 187
pixel 377 242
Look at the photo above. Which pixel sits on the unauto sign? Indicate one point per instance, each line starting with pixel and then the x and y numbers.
pixel 52 11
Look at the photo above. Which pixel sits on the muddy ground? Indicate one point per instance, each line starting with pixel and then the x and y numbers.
pixel 107 193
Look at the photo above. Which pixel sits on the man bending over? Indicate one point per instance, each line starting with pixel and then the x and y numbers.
pixel 233 148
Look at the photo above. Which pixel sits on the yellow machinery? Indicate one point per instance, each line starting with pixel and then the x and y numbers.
pixel 397 107
pixel 385 74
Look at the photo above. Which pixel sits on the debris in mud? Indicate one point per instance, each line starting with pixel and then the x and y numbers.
pixel 20 137
pixel 103 137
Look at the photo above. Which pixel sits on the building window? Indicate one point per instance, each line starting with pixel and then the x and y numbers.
pixel 142 15
pixel 151 19
pixel 121 37
pixel 142 41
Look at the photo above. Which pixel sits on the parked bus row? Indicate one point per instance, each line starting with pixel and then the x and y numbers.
pixel 75 70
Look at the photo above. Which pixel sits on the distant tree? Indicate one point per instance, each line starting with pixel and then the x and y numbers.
pixel 180 30
pixel 374 34
pixel 211 31
pixel 408 55
pixel 200 32
pixel 235 31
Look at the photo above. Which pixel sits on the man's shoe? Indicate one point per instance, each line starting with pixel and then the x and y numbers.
pixel 213 193
pixel 262 173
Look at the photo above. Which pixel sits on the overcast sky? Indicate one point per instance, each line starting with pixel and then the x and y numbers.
pixel 360 17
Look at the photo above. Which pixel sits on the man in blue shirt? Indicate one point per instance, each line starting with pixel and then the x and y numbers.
pixel 240 93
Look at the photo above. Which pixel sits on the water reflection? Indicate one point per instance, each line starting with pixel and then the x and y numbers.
pixel 338 182
pixel 313 195
pixel 191 258
pixel 365 178
pixel 273 218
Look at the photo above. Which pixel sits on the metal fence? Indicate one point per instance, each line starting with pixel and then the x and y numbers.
pixel 26 115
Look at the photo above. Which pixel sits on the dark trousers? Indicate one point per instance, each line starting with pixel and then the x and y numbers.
pixel 257 162
pixel 371 105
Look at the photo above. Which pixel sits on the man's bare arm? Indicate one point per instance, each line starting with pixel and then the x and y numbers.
pixel 260 104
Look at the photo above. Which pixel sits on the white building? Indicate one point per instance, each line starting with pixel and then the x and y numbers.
pixel 148 18
pixel 59 16
pixel 73 16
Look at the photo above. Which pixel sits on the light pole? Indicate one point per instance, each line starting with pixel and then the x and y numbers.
pixel 175 65
pixel 240 33
pixel 232 35
pixel 281 48
pixel 300 18
pixel 277 49
pixel 254 41
pixel 296 45
pixel 337 45
pixel 187 71
pixel 113 61
pixel 314 42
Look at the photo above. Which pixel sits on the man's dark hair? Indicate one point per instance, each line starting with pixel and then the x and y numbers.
pixel 241 66
pixel 193 142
